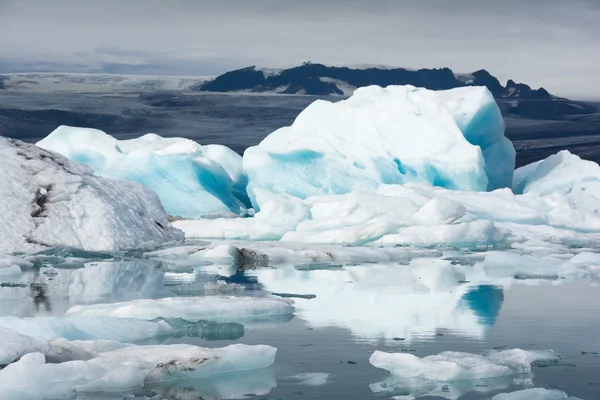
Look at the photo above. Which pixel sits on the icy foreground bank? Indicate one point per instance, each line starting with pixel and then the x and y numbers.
pixel 47 200
pixel 191 180
pixel 102 366
pixel 394 135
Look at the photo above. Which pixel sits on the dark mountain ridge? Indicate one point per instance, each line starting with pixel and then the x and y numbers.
pixel 518 99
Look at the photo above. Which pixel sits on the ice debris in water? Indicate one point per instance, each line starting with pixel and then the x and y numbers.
pixel 191 180
pixel 535 394
pixel 189 308
pixel 48 200
pixel 452 366
pixel 311 378
pixel 112 367
pixel 86 328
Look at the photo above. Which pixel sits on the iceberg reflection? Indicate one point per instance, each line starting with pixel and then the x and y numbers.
pixel 387 301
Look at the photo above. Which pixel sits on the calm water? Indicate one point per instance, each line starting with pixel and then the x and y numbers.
pixel 420 307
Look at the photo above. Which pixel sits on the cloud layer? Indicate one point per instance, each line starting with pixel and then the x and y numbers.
pixel 550 43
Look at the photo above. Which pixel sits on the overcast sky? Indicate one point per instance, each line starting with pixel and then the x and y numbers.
pixel 550 43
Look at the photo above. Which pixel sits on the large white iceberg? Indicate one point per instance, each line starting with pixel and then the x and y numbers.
pixel 47 200
pixel 191 180
pixel 392 135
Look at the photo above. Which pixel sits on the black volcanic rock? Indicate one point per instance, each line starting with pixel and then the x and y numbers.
pixel 484 78
pixel 3 79
pixel 240 79
pixel 319 79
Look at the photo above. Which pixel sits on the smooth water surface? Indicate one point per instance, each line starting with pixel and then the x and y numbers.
pixel 343 314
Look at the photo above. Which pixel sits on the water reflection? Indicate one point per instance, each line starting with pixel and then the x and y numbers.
pixel 390 301
pixel 226 386
pixel 403 389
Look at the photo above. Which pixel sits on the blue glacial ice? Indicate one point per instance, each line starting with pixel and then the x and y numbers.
pixel 191 180
pixel 388 166
pixel 394 135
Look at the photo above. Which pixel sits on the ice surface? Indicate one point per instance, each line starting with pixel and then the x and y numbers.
pixel 13 345
pixel 390 135
pixel 478 117
pixel 86 328
pixel 47 200
pixel 191 180
pixel 108 367
pixel 534 394
pixel 452 366
pixel 189 308
pixel 414 214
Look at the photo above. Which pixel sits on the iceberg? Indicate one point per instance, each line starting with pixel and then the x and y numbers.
pixel 190 308
pixel 14 345
pixel 191 180
pixel 47 200
pixel 110 367
pixel 452 366
pixel 394 135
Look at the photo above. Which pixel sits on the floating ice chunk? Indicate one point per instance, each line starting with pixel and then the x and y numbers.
pixel 82 328
pixel 311 378
pixel 379 135
pixel 191 180
pixel 13 345
pixel 534 394
pixel 126 368
pixel 63 350
pixel 453 366
pixel 48 200
pixel 190 308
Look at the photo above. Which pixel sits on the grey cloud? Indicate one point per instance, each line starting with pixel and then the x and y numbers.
pixel 550 43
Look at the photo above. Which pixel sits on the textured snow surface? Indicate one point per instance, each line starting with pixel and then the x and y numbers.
pixel 47 200
pixel 564 209
pixel 392 135
pixel 452 366
pixel 189 308
pixel 534 394
pixel 101 366
pixel 190 180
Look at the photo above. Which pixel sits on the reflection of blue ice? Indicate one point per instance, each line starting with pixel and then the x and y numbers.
pixel 225 386
pixel 383 301
pixel 486 302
